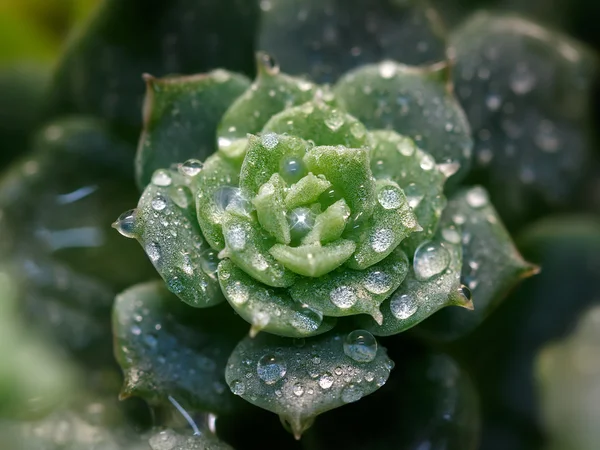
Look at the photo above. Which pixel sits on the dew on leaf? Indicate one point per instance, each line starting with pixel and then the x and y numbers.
pixel 238 387
pixel 351 393
pixel 191 168
pixel 387 69
pixel 161 178
pixel 298 390
pixel 271 369
pixel 477 198
pixel 403 306
pixel 382 239
pixel 335 121
pixel 430 260
pixel 343 297
pixel 361 346
pixel 125 224
pixel 270 141
pixel 414 195
pixel 236 237
pixel 378 282
pixel 389 198
pixel 158 203
pixel 153 251
pixel 326 380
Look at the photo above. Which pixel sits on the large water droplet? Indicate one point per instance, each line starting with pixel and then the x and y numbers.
pixel 326 380
pixel 270 141
pixel 451 234
pixel 390 198
pixel 270 369
pixel 231 198
pixel 361 346
pixel 414 195
pixel 301 221
pixel 306 319
pixel 382 239
pixel 335 120
pixel 477 197
pixel 403 306
pixel 158 203
pixel 191 168
pixel 431 259
pixel 238 387
pixel 378 282
pixel 343 297
pixel 358 130
pixel 161 178
pixel 292 169
pixel 125 224
pixel 351 393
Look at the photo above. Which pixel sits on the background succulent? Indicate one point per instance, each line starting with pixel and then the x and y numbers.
pixel 416 137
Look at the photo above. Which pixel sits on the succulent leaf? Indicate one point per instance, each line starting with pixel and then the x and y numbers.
pixel 299 381
pixel 167 349
pixel 527 92
pixel 181 115
pixel 327 38
pixel 492 265
pixel 180 255
pixel 415 102
pixel 433 282
pixel 176 441
pixel 268 309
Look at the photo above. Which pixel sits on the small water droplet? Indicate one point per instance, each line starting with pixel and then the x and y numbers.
pixel 306 319
pixel 161 178
pixel 427 162
pixel 369 377
pixel 338 371
pixel 361 346
pixel 298 390
pixel 209 262
pixel 266 61
pixel 390 198
pixel 477 197
pixel 236 237
pixel 191 168
pixel 238 387
pixel 403 306
pixel 387 69
pixel 125 224
pixel 382 239
pixel 293 169
pixel 270 369
pixel 451 234
pixel 351 393
pixel 270 141
pixel 302 221
pixel 431 259
pixel 158 203
pixel 343 297
pixel 237 293
pixel 326 380
pixel 153 251
pixel 175 285
pixel 358 130
pixel 406 147
pixel 414 195
pixel 335 120
pixel 378 282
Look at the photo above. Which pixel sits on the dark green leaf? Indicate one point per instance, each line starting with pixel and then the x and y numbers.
pixel 492 265
pixel 300 380
pixel 325 38
pixel 526 91
pixel 181 115
pixel 413 101
pixel 166 348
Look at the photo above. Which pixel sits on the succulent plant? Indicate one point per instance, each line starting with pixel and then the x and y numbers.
pixel 319 235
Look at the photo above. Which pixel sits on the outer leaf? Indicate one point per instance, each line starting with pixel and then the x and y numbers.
pixel 165 225
pixel 270 209
pixel 347 292
pixel 170 439
pixel 415 102
pixel 270 93
pixel 397 158
pixel 320 123
pixel 181 115
pixel 302 382
pixel 314 260
pixel 492 264
pixel 417 299
pixel 168 349
pixel 100 72
pixel 527 92
pixel 267 309
pixel 325 38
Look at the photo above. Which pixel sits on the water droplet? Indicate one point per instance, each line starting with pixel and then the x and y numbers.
pixel 125 224
pixel 175 285
pixel 329 197
pixel 164 440
pixel 209 262
pixel 136 330
pixel 427 162
pixel 403 306
pixel 301 221
pixel 182 197
pixel 158 203
pixel 238 387
pixel 414 195
pixel 306 319
pixel 378 282
pixel 522 80
pixel 387 69
pixel 465 292
pixel 298 390
pixel 358 130
pixel 270 141
pixel 477 197
pixel 338 371
pixel 369 377
pixel 343 297
pixel 236 237
pixel 351 393
pixel 237 293
pixel 231 198
pixel 270 369
pixel 153 251
pixel 546 137
pixel 335 120
pixel 161 178
pixel 266 61
pixel 431 259
pixel 293 169
pixel 406 147
pixel 326 380
pixel 191 168
pixel 361 346
pixel 382 239
pixel 224 142
pixel 451 234
pixel 390 198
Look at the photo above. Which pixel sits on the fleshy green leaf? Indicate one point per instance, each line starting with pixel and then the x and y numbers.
pixel 313 260
pixel 327 38
pixel 320 123
pixel 433 282
pixel 248 246
pixel 181 115
pixel 166 348
pixel 528 92
pixel 415 102
pixel 397 158
pixel 270 209
pixel 339 165
pixel 347 292
pixel 329 225
pixel 492 265
pixel 306 191
pixel 391 222
pixel 215 193
pixel 165 225
pixel 170 439
pixel 300 381
pixel 100 71
pixel 268 309
pixel 268 154
pixel 270 93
